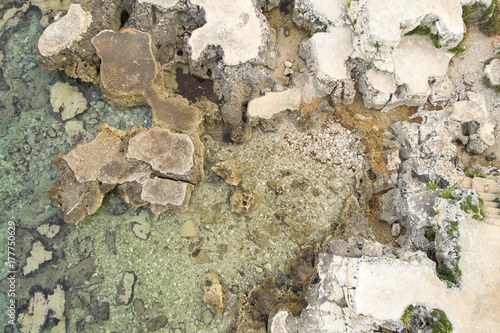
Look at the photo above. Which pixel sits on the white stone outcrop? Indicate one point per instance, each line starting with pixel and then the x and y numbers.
pixel 271 103
pixel 235 26
pixel 492 71
pixel 65 31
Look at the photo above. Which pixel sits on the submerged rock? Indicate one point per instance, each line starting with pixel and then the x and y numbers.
pixel 38 256
pixel 229 170
pixel 125 290
pixel 67 100
pixel 241 202
pixel 215 292
pixel 42 308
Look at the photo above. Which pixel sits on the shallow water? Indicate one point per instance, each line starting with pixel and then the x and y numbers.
pixel 305 176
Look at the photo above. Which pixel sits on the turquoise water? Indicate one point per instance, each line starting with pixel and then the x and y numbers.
pixel 242 248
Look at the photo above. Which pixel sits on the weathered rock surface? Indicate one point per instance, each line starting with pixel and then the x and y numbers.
pixel 64 32
pixel 43 308
pixel 215 292
pixel 66 43
pixel 271 103
pixel 134 160
pixel 492 71
pixel 473 111
pixel 241 202
pixel 126 76
pixel 67 100
pixel 229 170
pixel 229 23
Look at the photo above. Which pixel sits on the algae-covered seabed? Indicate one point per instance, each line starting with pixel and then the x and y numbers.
pixel 242 248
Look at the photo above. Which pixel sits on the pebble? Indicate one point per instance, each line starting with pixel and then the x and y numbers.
pixel 287 71
pixel 207 317
pixel 287 64
pixel 395 229
pixel 188 229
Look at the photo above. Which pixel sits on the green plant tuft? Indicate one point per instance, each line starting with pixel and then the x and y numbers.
pixel 433 186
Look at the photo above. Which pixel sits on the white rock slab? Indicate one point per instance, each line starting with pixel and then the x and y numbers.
pixel 274 102
pixel 331 50
pixel 416 60
pixel 232 24
pixel 64 32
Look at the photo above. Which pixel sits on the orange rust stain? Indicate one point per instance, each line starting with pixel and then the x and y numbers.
pixel 128 31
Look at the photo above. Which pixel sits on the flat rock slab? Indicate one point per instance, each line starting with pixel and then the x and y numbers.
pixel 164 194
pixel 232 24
pixel 385 25
pixel 171 154
pixel 128 67
pixel 103 159
pixel 131 160
pixel 274 102
pixel 416 60
pixel 65 31
pixel 330 50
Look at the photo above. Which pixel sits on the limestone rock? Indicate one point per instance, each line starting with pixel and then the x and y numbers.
pixel 387 28
pixel 188 229
pixel 377 88
pixel 67 100
pixel 215 292
pixel 241 202
pixel 274 102
pixel 473 109
pixel 65 44
pixel 76 199
pixel 138 161
pixel 126 289
pixel 173 158
pixel 241 23
pixel 38 255
pixel 74 131
pixel 229 170
pixel 392 207
pixel 492 71
pixel 42 308
pixel 120 80
pixel 48 230
pixel 64 32
pixel 441 89
pixel 165 194
pixel 326 54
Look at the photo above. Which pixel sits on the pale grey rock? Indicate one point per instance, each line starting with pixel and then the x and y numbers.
pixel 319 15
pixel 229 23
pixel 387 27
pixel 395 229
pixel 377 88
pixel 441 89
pixel 492 71
pixel 473 109
pixel 174 158
pixel 271 103
pixel 392 206
pixel 38 255
pixel 164 194
pixel 64 32
pixel 67 100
